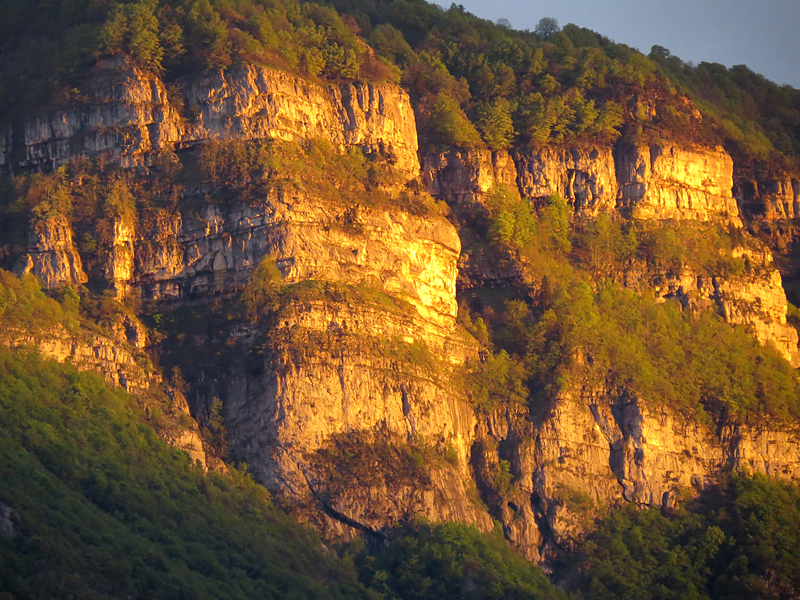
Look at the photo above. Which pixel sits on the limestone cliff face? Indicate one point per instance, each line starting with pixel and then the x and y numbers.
pixel 585 177
pixel 376 357
pixel 129 116
pixel 659 182
pixel 655 182
pixel 596 448
pixel 773 199
pixel 119 267
pixel 546 478
pixel 51 256
pixel 407 256
pixel 341 408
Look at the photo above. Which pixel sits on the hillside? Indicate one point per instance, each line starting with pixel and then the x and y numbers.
pixel 407 265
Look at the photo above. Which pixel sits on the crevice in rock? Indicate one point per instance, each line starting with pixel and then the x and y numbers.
pixel 340 517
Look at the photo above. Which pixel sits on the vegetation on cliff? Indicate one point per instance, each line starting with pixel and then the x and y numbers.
pixel 739 539
pixel 474 83
pixel 578 319
pixel 97 506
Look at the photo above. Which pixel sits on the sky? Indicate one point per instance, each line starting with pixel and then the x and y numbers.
pixel 764 35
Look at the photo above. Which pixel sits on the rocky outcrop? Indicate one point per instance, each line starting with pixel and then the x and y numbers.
pixel 129 116
pixel 772 199
pixel 119 267
pixel 353 395
pixel 669 182
pixel 596 449
pixel 366 349
pixel 96 353
pixel 51 256
pixel 643 182
pixel 585 177
pixel 546 475
pixel 410 257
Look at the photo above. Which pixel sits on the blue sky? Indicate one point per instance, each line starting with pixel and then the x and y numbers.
pixel 763 35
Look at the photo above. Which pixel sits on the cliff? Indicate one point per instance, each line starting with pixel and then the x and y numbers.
pixel 643 182
pixel 650 184
pixel 128 116
pixel 770 199
pixel 350 401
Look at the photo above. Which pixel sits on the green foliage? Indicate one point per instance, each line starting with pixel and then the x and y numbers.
pixel 214 432
pixel 134 29
pixel 607 249
pixel 495 125
pixel 451 125
pixel 498 381
pixel 546 28
pixel 738 540
pixel 575 323
pixel 451 562
pixel 24 307
pixel 512 221
pixel 103 509
pixel 262 293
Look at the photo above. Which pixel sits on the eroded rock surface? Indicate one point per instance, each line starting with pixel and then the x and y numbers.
pixel 129 116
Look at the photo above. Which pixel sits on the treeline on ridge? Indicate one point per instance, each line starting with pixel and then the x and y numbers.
pixel 474 83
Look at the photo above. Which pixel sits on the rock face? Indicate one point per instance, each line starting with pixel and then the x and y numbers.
pixel 409 257
pixel 675 183
pixel 129 116
pixel 51 256
pixel 585 177
pixel 773 199
pixel 369 352
pixel 655 182
pixel 347 385
pixel 597 448
pixel 351 405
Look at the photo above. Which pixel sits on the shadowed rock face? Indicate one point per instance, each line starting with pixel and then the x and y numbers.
pixel 771 199
pixel 354 409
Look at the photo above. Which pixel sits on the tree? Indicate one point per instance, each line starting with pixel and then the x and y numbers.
pixel 494 123
pixel 659 52
pixel 262 292
pixel 451 124
pixel 546 27
pixel 133 28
